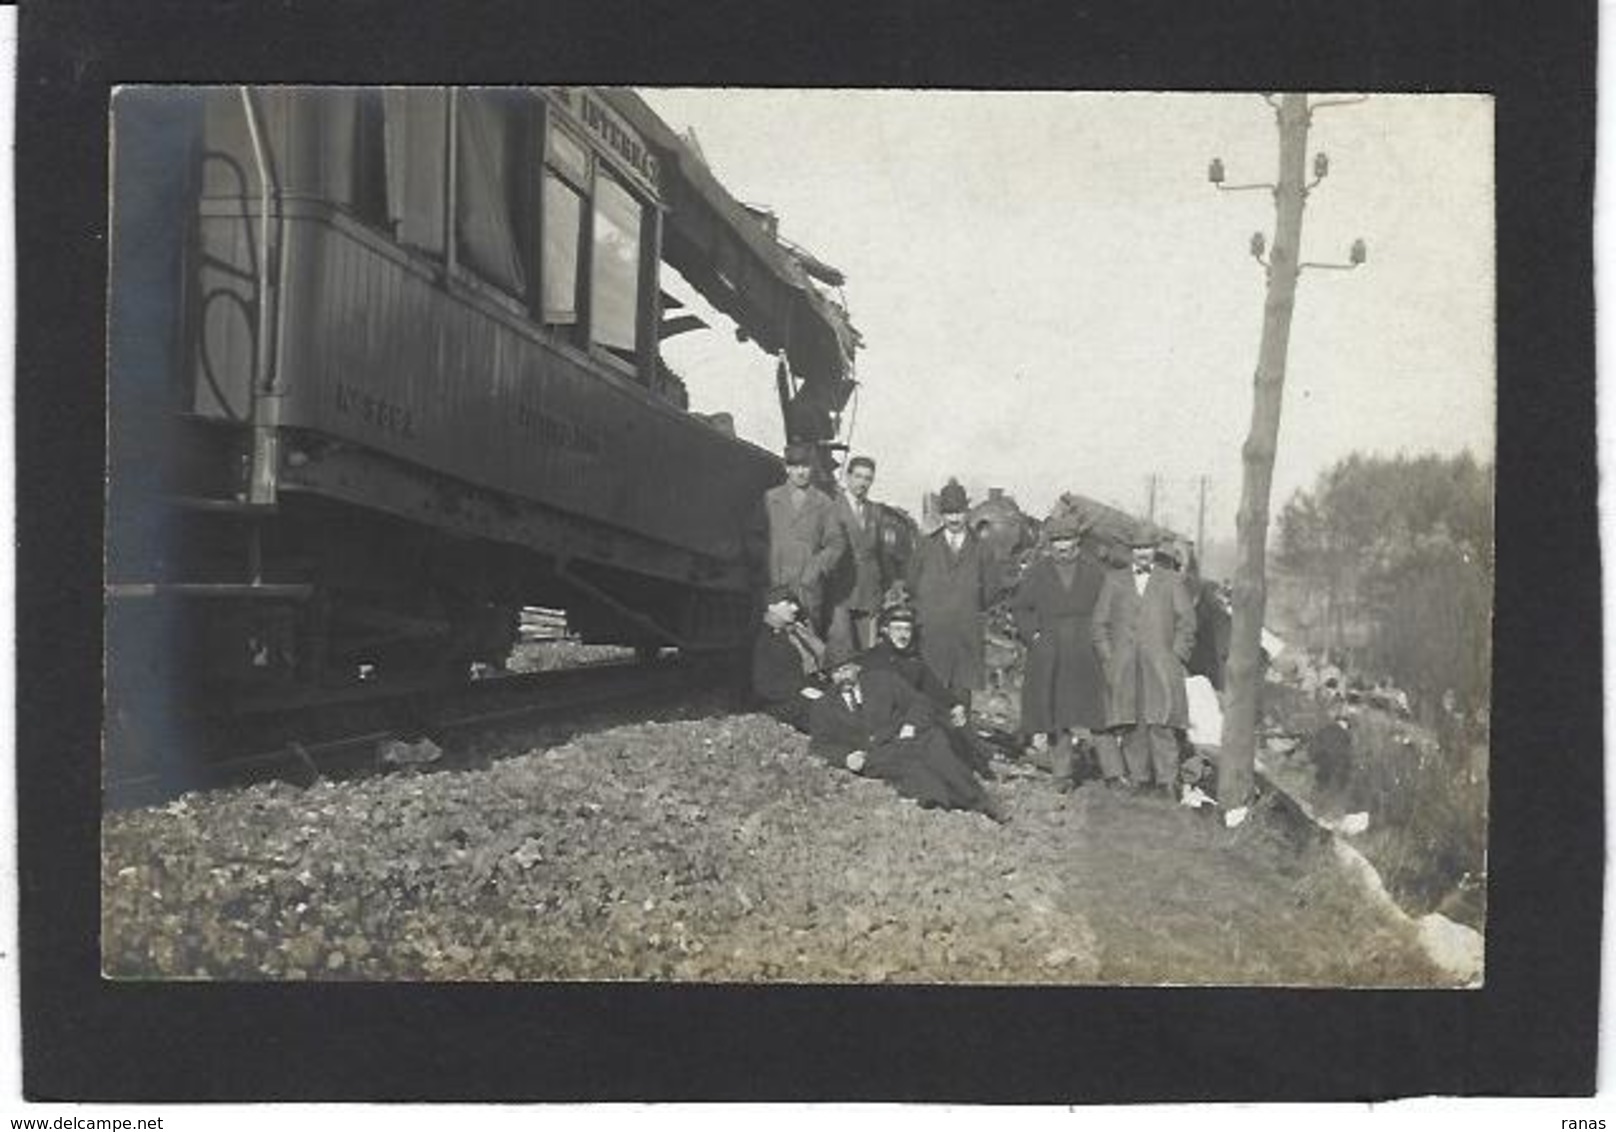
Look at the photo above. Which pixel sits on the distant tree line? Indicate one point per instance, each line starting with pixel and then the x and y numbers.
pixel 1389 564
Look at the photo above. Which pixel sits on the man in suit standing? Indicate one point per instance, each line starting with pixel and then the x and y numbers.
pixel 806 540
pixel 1144 630
pixel 856 584
pixel 953 579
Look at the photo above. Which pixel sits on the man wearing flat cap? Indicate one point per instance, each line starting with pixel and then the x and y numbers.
pixel 1144 629
pixel 1062 693
pixel 953 579
pixel 788 660
pixel 806 540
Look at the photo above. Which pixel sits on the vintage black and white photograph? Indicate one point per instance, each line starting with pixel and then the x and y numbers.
pixel 787 536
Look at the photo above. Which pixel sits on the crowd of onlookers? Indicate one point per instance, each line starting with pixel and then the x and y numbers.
pixel 1324 675
pixel 1327 677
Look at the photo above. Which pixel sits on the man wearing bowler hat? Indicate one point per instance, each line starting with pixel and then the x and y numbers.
pixel 806 540
pixel 1144 630
pixel 954 580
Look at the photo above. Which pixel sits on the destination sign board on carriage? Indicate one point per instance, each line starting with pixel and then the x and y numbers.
pixel 622 144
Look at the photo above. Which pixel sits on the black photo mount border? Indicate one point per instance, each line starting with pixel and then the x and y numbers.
pixel 1532 1030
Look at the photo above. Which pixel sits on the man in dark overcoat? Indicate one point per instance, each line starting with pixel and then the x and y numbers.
pixel 806 540
pixel 1144 629
pixel 874 724
pixel 788 660
pixel 856 584
pixel 953 579
pixel 1213 625
pixel 1062 691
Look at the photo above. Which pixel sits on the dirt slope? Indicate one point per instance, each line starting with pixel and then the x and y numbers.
pixel 718 849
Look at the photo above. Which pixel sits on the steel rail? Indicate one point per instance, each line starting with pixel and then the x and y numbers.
pixel 307 755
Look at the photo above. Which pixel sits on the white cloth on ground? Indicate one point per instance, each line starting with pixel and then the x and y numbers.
pixel 1206 715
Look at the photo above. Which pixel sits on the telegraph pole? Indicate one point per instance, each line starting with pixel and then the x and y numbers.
pixel 1200 526
pixel 1150 507
pixel 1237 758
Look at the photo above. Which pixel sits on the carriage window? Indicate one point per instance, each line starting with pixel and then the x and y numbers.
pixel 569 157
pixel 488 163
pixel 563 234
pixel 416 119
pixel 615 269
pixel 369 187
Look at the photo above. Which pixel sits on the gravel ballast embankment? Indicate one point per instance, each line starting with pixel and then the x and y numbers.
pixel 718 849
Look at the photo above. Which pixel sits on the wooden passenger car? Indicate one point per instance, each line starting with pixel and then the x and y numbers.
pixel 384 368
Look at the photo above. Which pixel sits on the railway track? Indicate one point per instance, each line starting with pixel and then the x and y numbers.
pixel 353 733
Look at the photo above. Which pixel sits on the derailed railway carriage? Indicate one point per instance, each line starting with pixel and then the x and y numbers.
pixel 384 368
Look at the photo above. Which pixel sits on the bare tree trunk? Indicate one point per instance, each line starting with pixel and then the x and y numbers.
pixel 1238 756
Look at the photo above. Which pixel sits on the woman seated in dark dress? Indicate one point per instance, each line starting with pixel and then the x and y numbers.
pixel 874 724
pixel 896 652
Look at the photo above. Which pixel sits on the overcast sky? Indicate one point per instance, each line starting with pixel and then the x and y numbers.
pixel 1053 298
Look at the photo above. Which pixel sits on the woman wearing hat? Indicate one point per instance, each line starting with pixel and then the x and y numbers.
pixel 895 652
pixel 874 724
pixel 1062 693
pixel 788 660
